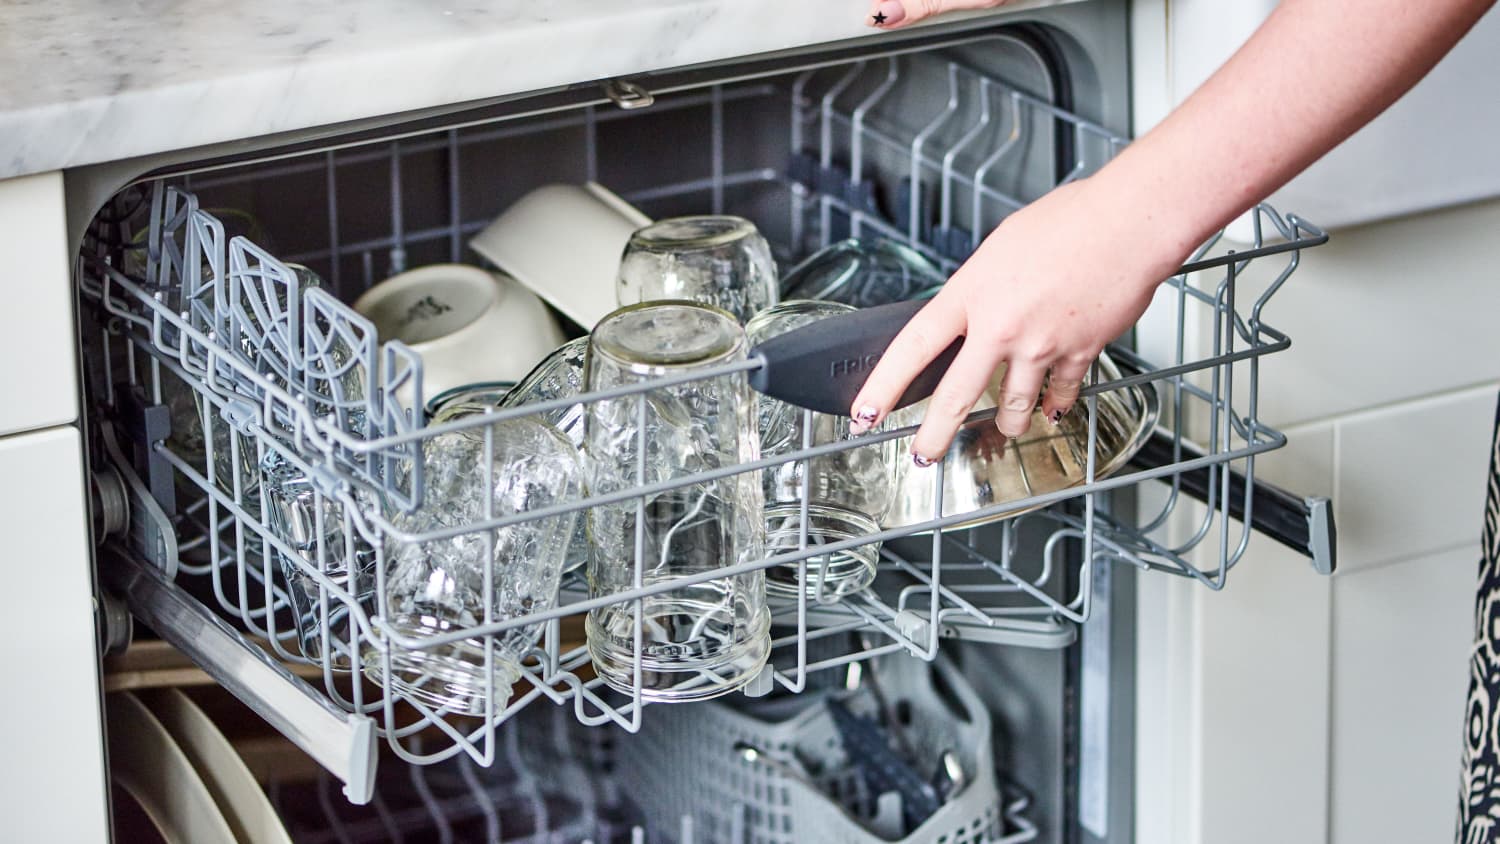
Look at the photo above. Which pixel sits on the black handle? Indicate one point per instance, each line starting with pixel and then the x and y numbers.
pixel 823 365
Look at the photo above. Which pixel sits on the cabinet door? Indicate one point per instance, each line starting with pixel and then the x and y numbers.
pixel 52 787
pixel 38 357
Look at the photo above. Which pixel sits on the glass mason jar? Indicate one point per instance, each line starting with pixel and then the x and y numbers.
pixel 560 375
pixel 466 401
pixel 206 440
pixel 313 525
pixel 444 586
pixel 715 260
pixel 332 384
pixel 706 639
pixel 848 491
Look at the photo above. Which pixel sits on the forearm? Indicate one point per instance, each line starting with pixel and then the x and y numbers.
pixel 1313 73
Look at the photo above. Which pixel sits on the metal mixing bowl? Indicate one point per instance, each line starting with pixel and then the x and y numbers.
pixel 983 467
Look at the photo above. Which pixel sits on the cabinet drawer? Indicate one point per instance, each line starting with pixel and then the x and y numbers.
pixel 37 348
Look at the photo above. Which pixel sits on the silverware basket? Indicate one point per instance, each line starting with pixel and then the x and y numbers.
pixel 777 772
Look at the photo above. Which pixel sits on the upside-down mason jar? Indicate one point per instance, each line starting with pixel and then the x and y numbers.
pixel 847 491
pixel 446 585
pixel 703 639
pixel 716 260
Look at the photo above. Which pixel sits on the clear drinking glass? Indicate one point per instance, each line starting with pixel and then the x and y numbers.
pixel 293 512
pixel 698 641
pixel 479 576
pixel 716 260
pixel 847 491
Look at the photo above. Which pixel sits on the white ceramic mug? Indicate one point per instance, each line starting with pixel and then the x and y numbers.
pixel 469 325
pixel 564 242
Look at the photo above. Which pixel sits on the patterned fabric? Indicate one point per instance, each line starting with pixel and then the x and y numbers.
pixel 1479 801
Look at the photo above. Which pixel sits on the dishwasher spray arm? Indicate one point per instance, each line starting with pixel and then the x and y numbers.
pixel 1301 523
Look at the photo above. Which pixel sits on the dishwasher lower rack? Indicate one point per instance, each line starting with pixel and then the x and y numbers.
pixel 186 314
pixel 559 782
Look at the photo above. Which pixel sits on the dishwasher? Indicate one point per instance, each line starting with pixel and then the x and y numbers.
pixel 1009 628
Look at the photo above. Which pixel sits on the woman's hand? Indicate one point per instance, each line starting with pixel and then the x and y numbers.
pixel 1046 290
pixel 1068 273
pixel 890 14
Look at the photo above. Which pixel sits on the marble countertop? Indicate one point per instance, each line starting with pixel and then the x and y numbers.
pixel 87 81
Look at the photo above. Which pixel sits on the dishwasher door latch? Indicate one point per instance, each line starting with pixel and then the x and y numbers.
pixel 627 95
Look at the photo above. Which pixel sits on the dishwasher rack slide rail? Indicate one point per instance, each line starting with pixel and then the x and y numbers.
pixel 190 315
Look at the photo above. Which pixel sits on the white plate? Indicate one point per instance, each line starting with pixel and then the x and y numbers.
pixel 146 762
pixel 232 785
pixel 564 243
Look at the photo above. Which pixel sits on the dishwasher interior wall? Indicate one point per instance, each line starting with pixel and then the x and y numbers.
pixel 929 142
pixel 360 214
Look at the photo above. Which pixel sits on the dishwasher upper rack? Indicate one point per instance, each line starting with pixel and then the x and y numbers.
pixel 260 408
pixel 982 590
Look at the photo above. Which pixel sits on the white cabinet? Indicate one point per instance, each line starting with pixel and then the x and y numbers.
pixel 52 787
pixel 38 358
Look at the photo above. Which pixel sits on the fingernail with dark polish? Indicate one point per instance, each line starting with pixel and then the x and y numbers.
pixel 889 13
pixel 920 460
pixel 866 415
pixel 1055 417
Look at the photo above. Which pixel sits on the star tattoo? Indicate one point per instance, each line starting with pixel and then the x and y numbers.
pixel 879 18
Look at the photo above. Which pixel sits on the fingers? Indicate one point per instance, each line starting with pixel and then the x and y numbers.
pixel 889 14
pixel 955 396
pixel 924 338
pixel 1017 399
pixel 1063 386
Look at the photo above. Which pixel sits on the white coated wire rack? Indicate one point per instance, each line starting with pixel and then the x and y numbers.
pixel 918 146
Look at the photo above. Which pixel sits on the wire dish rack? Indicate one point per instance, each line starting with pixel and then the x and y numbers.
pixel 910 145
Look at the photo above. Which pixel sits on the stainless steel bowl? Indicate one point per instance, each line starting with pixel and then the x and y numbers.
pixel 984 467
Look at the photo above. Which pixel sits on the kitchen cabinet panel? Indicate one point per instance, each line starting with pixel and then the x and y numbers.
pixel 52 787
pixel 1232 706
pixel 1401 637
pixel 1304 464
pixel 38 380
pixel 1432 149
pixel 1411 479
pixel 1383 314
